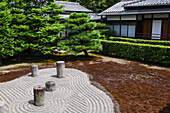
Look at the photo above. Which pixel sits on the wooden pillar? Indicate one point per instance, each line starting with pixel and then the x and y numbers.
pixel 151 26
pixel 136 26
pixel 168 27
pixel 161 29
pixel 120 25
pixel 143 35
pixel 127 29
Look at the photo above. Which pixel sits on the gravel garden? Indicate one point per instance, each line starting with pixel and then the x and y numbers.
pixel 137 87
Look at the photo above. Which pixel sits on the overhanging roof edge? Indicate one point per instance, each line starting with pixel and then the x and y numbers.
pixel 132 13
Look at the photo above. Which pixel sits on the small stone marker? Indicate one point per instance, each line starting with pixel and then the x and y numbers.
pixel 60 65
pixel 50 86
pixel 39 95
pixel 34 70
pixel 2 107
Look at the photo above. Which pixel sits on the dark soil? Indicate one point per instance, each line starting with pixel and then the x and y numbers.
pixel 138 89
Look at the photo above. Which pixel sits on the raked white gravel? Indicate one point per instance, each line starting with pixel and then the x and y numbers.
pixel 73 94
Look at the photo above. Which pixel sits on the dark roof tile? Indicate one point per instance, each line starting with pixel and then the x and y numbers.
pixel 117 8
pixel 149 3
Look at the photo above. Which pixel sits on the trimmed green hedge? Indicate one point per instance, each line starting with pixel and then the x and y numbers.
pixel 154 42
pixel 157 54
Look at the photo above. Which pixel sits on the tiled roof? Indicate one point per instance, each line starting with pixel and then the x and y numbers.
pixel 149 3
pixel 73 6
pixel 119 8
pixel 95 16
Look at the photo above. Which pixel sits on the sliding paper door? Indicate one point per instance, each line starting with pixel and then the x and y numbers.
pixel 131 30
pixel 156 29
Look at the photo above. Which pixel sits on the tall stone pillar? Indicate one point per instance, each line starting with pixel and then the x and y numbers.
pixel 34 70
pixel 39 95
pixel 60 65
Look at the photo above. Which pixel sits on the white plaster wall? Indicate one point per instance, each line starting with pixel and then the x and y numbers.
pixel 128 17
pixel 160 15
pixel 113 17
pixel 147 16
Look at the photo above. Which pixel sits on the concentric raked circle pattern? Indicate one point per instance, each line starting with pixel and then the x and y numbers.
pixel 73 94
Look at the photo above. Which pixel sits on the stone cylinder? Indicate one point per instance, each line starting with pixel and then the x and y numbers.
pixel 34 70
pixel 39 95
pixel 60 65
pixel 2 107
pixel 50 86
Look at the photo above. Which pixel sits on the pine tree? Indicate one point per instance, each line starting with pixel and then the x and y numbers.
pixel 10 44
pixel 29 24
pixel 82 34
pixel 44 24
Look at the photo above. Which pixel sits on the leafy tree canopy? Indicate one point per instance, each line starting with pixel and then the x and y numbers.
pixel 42 20
pixel 10 44
pixel 82 34
pixel 30 24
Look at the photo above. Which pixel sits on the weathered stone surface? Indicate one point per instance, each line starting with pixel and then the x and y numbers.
pixel 2 107
pixel 39 95
pixel 50 86
pixel 34 70
pixel 60 65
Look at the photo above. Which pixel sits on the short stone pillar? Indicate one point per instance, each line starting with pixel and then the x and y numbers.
pixel 2 107
pixel 50 86
pixel 39 95
pixel 34 70
pixel 60 65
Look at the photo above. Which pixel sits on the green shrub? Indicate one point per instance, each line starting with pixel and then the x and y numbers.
pixel 154 42
pixel 156 54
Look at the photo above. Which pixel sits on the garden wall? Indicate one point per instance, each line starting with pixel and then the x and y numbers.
pixel 156 54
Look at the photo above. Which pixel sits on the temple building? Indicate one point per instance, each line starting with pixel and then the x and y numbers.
pixel 146 19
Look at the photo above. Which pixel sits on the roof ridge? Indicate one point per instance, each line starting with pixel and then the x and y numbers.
pixel 65 2
pixel 150 3
pixel 136 1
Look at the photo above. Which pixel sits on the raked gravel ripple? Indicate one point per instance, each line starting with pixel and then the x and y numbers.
pixel 73 94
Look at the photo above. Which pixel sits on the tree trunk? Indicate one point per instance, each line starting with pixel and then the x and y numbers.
pixel 0 60
pixel 85 52
pixel 19 57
